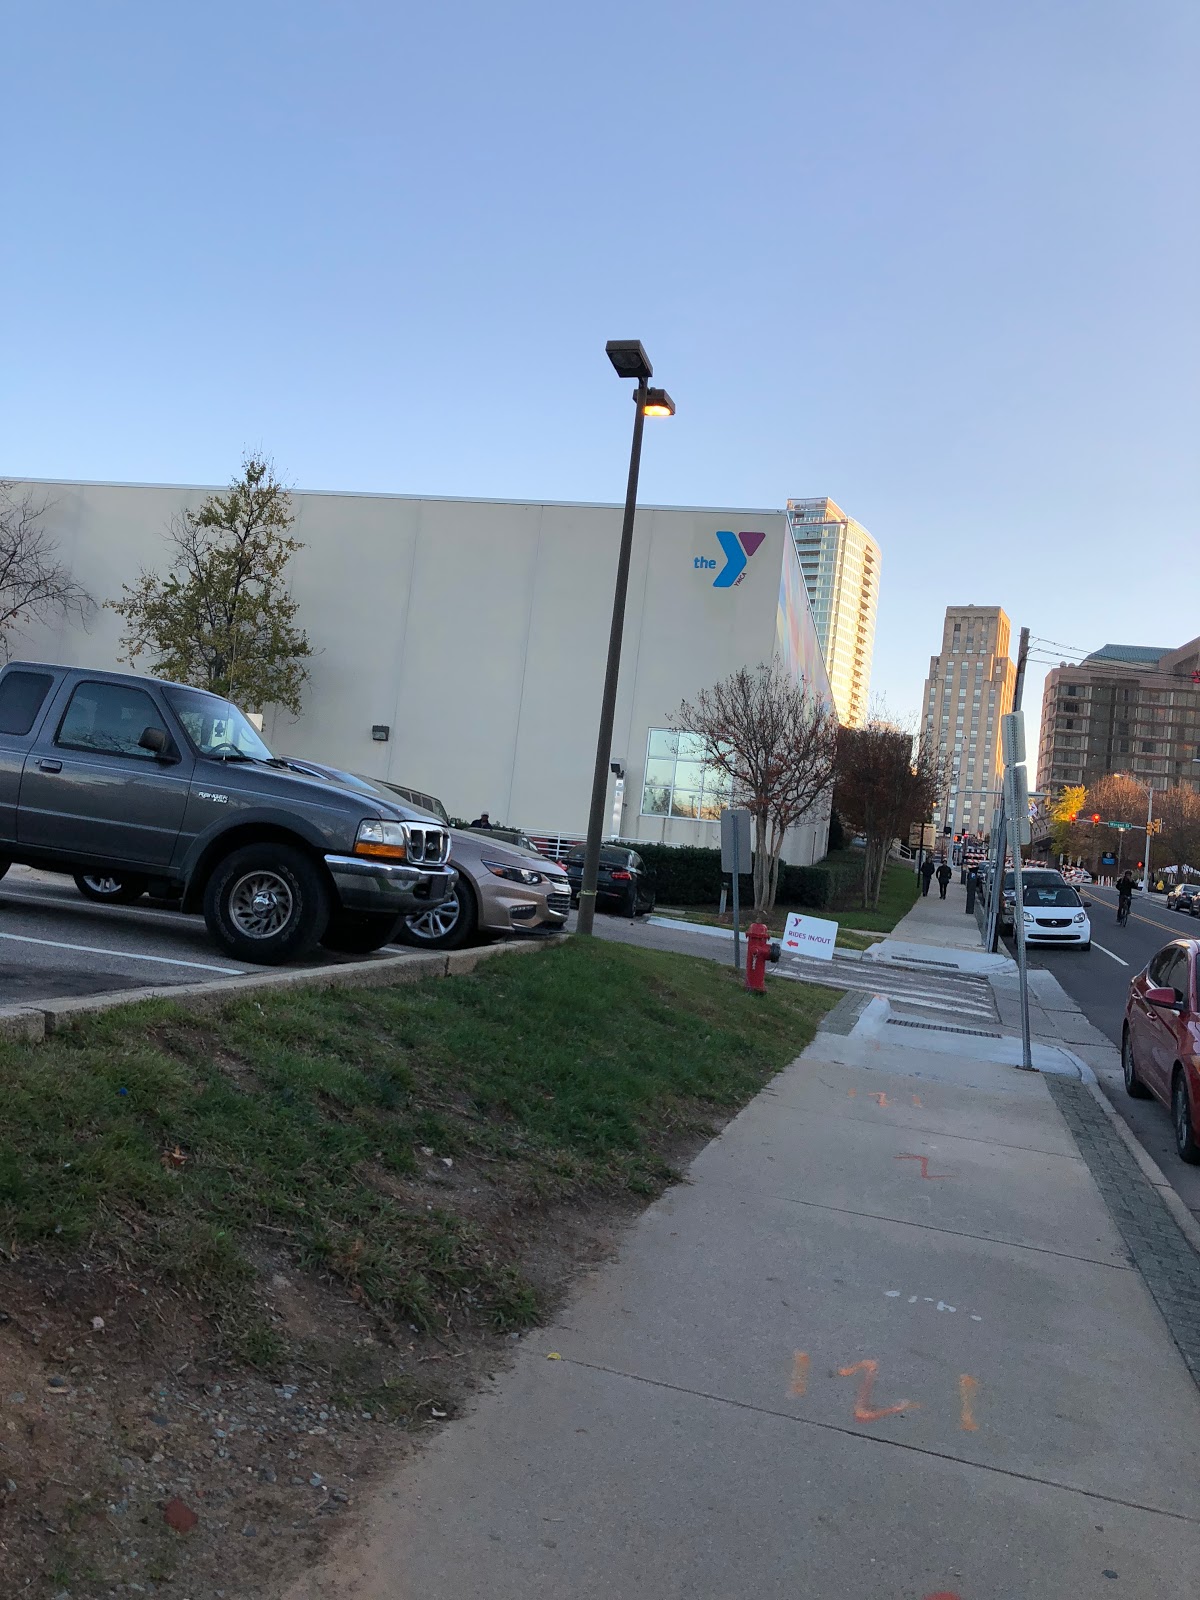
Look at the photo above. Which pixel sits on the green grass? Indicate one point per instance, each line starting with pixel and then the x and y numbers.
pixel 897 897
pixel 181 1144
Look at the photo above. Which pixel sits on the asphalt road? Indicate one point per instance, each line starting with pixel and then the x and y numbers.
pixel 54 943
pixel 1098 982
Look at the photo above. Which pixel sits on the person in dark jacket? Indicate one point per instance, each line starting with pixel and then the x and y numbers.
pixel 926 874
pixel 482 821
pixel 944 874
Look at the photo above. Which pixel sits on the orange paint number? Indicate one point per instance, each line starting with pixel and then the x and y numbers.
pixel 864 1411
pixel 799 1383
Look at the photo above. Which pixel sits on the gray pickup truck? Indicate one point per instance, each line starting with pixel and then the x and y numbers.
pixel 132 785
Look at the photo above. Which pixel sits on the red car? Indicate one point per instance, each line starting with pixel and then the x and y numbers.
pixel 1160 1042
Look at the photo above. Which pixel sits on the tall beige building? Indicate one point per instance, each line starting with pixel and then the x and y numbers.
pixel 840 562
pixel 969 688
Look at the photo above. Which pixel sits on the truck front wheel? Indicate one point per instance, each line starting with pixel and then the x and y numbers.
pixel 266 903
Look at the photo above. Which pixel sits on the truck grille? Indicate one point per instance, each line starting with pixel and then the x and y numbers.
pixel 429 847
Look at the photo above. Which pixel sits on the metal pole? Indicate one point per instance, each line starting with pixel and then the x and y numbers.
pixel 737 901
pixel 608 705
pixel 1018 894
pixel 1149 820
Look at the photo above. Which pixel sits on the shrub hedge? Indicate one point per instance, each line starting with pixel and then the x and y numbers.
pixel 688 875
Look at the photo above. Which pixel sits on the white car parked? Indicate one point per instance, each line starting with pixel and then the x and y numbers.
pixel 1054 914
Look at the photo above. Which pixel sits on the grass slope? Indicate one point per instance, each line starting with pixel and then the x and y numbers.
pixel 170 1142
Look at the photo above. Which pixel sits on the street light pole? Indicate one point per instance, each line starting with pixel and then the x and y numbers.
pixel 630 360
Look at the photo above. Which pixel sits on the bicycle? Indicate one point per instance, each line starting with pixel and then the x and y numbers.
pixel 1123 908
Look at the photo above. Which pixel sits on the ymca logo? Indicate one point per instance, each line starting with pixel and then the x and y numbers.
pixel 737 548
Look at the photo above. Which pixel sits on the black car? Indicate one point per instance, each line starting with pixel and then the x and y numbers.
pixel 625 884
pixel 1184 897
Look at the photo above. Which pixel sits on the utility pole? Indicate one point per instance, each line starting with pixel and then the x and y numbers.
pixel 1149 835
pixel 1000 828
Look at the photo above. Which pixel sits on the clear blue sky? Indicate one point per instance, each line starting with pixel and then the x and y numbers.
pixel 935 259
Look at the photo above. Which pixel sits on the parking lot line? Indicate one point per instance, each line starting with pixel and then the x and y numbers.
pixel 1108 953
pixel 90 908
pixel 124 955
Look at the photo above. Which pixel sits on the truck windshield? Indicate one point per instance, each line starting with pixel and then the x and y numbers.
pixel 216 727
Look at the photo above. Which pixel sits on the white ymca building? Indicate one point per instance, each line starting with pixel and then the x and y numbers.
pixel 460 644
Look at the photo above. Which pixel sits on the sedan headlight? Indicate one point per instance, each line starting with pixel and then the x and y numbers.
pixel 1080 916
pixel 1029 916
pixel 513 874
pixel 385 841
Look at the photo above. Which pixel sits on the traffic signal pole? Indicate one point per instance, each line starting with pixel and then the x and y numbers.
pixel 1149 834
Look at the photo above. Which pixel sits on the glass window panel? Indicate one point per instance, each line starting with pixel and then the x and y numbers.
pixel 691 747
pixel 660 772
pixel 656 800
pixel 685 804
pixel 689 774
pixel 710 806
pixel 663 744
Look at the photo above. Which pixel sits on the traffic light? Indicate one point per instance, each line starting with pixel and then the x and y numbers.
pixel 1095 816
pixel 1141 864
pixel 1074 817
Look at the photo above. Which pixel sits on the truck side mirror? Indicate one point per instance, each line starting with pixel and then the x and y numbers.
pixel 157 742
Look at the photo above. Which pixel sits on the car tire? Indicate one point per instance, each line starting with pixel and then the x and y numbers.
pixel 357 933
pixel 448 926
pixel 267 903
pixel 1181 1116
pixel 110 890
pixel 1134 1087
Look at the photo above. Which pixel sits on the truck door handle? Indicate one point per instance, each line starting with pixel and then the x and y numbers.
pixel 50 766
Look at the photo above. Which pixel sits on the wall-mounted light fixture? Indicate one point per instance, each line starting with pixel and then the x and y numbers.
pixel 381 732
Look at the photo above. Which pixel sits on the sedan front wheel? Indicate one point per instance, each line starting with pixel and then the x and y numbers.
pixel 449 925
pixel 1181 1115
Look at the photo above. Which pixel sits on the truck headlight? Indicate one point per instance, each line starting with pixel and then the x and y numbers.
pixel 385 841
pixel 513 874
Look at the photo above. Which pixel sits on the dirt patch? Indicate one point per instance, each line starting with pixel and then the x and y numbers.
pixel 114 1413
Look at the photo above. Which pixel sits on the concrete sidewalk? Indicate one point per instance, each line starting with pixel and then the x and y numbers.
pixel 886 1343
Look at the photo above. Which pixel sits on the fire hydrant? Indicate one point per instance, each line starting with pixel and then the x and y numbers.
pixel 758 949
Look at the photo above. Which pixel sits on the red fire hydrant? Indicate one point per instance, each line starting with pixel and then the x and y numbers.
pixel 758 947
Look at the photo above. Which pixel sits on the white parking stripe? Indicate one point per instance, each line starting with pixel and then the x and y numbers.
pixel 124 955
pixel 1109 954
pixel 91 908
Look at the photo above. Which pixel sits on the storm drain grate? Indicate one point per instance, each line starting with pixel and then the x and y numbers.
pixel 942 1027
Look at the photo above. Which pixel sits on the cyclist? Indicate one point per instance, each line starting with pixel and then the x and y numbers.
pixel 1126 884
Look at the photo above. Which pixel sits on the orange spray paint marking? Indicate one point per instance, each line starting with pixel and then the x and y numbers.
pixel 880 1099
pixel 916 1099
pixel 864 1411
pixel 925 1172
pixel 851 1093
pixel 968 1388
pixel 799 1381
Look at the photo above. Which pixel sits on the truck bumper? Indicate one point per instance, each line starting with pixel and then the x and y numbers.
pixel 386 886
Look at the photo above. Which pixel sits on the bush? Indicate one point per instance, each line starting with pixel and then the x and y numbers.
pixel 689 875
pixel 838 837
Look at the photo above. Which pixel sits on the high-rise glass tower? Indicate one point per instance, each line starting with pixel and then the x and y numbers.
pixel 840 562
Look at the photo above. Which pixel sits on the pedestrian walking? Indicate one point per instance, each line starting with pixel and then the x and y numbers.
pixel 926 874
pixel 944 874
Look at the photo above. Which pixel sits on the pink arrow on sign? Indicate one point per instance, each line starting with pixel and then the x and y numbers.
pixel 751 541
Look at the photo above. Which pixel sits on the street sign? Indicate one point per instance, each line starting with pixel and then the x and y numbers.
pixel 736 817
pixel 810 936
pixel 1012 739
pixel 1121 827
pixel 1016 800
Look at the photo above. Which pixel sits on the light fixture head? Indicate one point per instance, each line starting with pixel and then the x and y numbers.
pixel 658 403
pixel 629 359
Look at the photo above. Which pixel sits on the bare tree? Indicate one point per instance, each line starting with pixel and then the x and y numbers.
pixel 775 744
pixel 223 617
pixel 883 785
pixel 34 582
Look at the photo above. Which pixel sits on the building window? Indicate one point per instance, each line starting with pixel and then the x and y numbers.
pixel 1147 747
pixel 678 782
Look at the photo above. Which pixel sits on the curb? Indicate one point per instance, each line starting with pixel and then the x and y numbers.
pixel 33 1023
pixel 1151 1170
